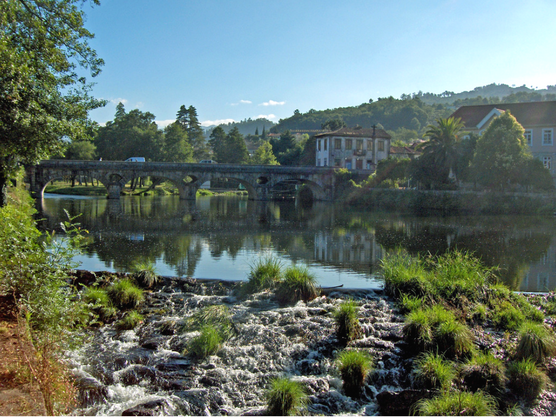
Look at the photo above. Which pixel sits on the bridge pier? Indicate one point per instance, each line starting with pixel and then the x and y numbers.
pixel 114 191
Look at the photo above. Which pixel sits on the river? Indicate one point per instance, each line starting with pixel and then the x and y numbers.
pixel 221 237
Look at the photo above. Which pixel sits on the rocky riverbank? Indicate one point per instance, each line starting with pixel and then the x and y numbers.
pixel 143 371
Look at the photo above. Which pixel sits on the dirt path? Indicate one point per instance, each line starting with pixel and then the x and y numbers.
pixel 19 395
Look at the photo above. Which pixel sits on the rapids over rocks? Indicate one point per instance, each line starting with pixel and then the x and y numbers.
pixel 143 371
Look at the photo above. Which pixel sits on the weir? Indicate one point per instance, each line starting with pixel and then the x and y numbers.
pixel 258 180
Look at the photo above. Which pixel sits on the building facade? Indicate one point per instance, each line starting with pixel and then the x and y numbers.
pixel 537 118
pixel 352 148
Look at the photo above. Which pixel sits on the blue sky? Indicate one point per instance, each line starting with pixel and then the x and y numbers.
pixel 238 59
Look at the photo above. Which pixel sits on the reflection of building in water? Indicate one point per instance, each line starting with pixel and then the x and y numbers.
pixel 358 248
pixel 541 275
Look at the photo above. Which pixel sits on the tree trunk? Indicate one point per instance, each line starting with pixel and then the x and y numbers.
pixel 3 189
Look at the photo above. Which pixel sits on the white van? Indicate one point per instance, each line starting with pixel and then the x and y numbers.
pixel 135 159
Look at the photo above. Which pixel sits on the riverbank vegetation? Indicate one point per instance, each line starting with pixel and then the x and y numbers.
pixel 452 337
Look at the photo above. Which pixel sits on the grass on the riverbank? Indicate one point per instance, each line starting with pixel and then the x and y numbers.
pixel 446 299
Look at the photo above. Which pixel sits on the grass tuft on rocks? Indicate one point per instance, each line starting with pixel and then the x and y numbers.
pixel 298 284
pixel 354 366
pixel 207 343
pixel 454 339
pixel 145 275
pixel 484 372
pixel 286 397
pixel 129 321
pixel 525 380
pixel 125 295
pixel 536 341
pixel 265 274
pixel 432 371
pixel 347 322
pixel 455 403
pixel 218 316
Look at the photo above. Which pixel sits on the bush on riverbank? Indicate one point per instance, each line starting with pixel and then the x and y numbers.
pixel 297 284
pixel 347 322
pixel 33 277
pixel 354 366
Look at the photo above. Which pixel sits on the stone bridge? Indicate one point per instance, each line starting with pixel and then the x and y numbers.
pixel 258 180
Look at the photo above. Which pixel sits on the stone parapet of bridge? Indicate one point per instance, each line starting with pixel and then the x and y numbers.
pixel 258 180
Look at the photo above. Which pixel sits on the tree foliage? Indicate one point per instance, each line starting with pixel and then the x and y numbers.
pixel 501 154
pixel 264 155
pixel 43 95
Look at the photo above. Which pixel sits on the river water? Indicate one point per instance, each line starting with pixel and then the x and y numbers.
pixel 221 237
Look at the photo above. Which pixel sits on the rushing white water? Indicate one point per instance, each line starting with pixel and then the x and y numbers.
pixel 145 370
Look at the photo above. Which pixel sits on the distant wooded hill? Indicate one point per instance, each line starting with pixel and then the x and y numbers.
pixel 246 127
pixel 412 112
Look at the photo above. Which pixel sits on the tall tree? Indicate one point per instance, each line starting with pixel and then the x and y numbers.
pixel 236 150
pixel 217 142
pixel 176 145
pixel 264 156
pixel 130 134
pixel 443 143
pixel 43 99
pixel 501 154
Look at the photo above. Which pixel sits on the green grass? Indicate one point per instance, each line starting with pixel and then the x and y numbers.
pixel 405 275
pixel 100 305
pixel 129 321
pixel 506 316
pixel 286 397
pixel 354 366
pixel 297 284
pixel 526 380
pixel 145 274
pixel 453 403
pixel 347 322
pixel 409 303
pixel 217 316
pixel 536 341
pixel 454 339
pixel 265 274
pixel 432 371
pixel 207 343
pixel 417 330
pixel 125 295
pixel 484 372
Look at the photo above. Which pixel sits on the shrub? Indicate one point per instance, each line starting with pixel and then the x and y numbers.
pixel 129 321
pixel 298 284
pixel 536 341
pixel 525 379
pixel 454 339
pixel 417 329
pixel 479 314
pixel 507 316
pixel 345 316
pixel 354 367
pixel 484 372
pixel 285 397
pixel 265 274
pixel 458 404
pixel 432 371
pixel 124 294
pixel 206 344
pixel 145 275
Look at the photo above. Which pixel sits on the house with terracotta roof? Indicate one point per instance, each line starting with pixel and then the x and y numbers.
pixel 352 148
pixel 537 118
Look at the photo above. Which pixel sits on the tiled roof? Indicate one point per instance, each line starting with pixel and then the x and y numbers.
pixel 359 133
pixel 527 114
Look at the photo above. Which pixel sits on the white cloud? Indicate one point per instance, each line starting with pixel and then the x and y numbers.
pixel 139 104
pixel 273 103
pixel 266 116
pixel 118 100
pixel 242 102
pixel 207 123
pixel 164 123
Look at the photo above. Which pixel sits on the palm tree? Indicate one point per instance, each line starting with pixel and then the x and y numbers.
pixel 443 143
